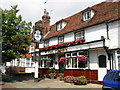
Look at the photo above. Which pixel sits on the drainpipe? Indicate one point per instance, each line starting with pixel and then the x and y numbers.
pixel 107 28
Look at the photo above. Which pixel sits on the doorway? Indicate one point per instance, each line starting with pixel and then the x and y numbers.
pixel 61 65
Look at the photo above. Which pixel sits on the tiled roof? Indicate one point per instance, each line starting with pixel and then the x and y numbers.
pixel 105 11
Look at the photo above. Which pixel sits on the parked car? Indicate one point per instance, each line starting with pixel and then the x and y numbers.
pixel 111 80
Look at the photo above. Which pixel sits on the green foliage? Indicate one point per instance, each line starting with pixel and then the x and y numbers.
pixel 15 32
pixel 82 79
pixel 61 74
pixel 52 70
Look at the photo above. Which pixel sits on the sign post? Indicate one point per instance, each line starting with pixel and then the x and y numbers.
pixel 37 36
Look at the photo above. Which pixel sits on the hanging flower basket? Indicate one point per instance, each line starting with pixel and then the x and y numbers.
pixel 82 58
pixel 63 60
pixel 48 60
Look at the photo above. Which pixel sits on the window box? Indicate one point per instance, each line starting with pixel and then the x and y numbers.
pixel 62 45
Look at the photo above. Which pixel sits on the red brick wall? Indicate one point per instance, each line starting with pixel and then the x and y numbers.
pixel 46 71
pixel 90 74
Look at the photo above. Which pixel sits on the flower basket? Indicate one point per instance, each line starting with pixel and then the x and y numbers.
pixel 47 61
pixel 82 58
pixel 63 60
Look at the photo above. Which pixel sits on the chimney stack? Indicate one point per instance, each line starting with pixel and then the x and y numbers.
pixel 46 22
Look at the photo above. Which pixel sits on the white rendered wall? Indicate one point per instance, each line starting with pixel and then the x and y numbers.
pixel 119 33
pixel 113 35
pixel 69 37
pixel 41 45
pixel 53 41
pixel 95 32
pixel 93 56
pixel 93 59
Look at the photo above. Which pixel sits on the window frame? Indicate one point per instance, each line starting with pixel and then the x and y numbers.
pixel 71 57
pixel 43 63
pixel 46 41
pixel 87 15
pixel 100 63
pixel 82 34
pixel 59 39
pixel 59 26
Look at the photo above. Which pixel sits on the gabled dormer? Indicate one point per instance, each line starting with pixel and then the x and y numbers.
pixel 60 25
pixel 88 14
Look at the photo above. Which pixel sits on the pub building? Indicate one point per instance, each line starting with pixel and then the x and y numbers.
pixel 91 34
pixel 86 43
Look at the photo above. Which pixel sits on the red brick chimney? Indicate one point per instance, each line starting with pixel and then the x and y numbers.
pixel 46 21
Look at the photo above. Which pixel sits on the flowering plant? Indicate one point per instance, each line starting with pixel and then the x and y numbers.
pixel 63 60
pixel 80 40
pixel 63 44
pixel 69 78
pixel 61 76
pixel 48 60
pixel 80 80
pixel 82 58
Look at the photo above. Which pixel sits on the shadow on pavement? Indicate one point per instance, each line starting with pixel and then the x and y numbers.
pixel 16 77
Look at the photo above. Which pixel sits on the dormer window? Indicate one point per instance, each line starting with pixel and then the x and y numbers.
pixel 88 15
pixel 60 25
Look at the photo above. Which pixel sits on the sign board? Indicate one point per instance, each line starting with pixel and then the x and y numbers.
pixel 37 36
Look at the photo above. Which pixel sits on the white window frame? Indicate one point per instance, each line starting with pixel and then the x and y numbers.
pixel 61 25
pixel 79 35
pixel 72 54
pixel 43 62
pixel 60 39
pixel 87 15
pixel 46 43
pixel 71 58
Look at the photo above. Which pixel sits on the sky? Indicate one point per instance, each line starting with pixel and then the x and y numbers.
pixel 32 10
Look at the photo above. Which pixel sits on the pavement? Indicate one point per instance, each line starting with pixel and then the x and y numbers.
pixel 48 83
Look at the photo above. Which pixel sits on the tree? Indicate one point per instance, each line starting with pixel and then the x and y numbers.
pixel 15 35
